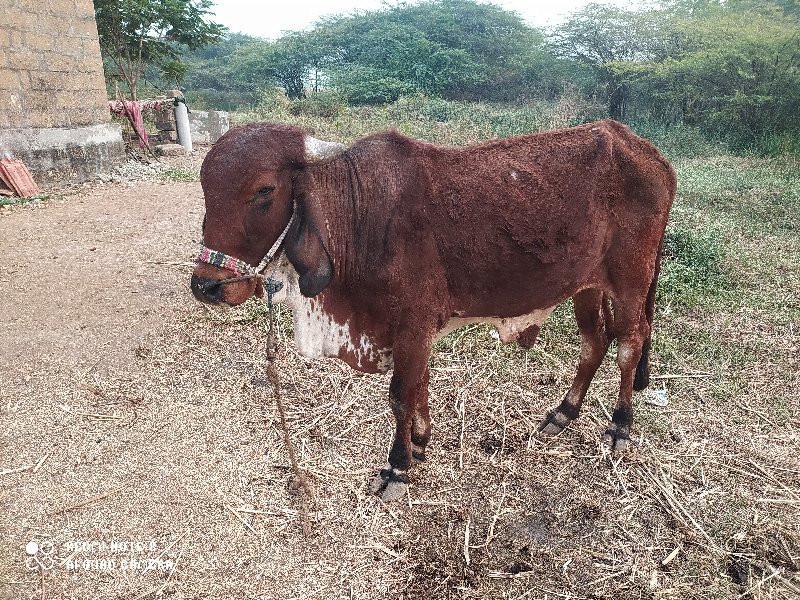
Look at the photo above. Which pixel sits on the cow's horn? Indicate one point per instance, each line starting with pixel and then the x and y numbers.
pixel 320 150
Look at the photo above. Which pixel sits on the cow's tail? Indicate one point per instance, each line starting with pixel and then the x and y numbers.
pixel 642 378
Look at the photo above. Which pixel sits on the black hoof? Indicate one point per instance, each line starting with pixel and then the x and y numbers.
pixel 390 484
pixel 617 438
pixel 554 423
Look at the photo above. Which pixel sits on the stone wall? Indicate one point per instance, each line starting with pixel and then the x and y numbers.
pixel 53 105
pixel 207 126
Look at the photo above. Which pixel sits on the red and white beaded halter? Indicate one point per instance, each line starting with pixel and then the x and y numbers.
pixel 241 269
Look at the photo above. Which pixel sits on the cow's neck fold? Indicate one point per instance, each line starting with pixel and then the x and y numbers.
pixel 334 184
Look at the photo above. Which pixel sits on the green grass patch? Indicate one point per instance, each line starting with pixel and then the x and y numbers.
pixel 180 174
pixel 693 266
pixel 733 235
pixel 760 195
pixel 11 200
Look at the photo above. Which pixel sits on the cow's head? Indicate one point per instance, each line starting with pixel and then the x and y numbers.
pixel 250 180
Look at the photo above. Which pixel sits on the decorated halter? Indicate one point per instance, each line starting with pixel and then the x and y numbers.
pixel 241 269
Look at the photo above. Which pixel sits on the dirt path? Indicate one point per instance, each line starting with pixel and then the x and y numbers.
pixel 84 277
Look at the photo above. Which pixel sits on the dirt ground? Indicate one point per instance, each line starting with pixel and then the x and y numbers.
pixel 141 454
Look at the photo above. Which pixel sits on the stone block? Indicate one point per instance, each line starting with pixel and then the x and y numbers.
pixel 168 136
pixel 63 8
pixel 61 62
pixel 20 19
pixel 166 126
pixel 9 80
pixel 172 149
pixel 64 154
pixel 64 100
pixel 37 101
pixel 39 41
pixel 23 60
pixel 84 27
pixel 16 40
pixel 207 126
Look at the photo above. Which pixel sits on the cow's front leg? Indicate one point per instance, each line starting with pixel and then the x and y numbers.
pixel 421 423
pixel 408 398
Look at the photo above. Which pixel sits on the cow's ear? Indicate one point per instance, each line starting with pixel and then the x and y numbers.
pixel 307 249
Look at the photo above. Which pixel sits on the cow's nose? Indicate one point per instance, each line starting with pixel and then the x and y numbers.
pixel 206 290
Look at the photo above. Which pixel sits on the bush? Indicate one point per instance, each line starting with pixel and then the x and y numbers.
pixel 778 144
pixel 273 105
pixel 326 105
pixel 693 265
pixel 677 139
pixel 367 85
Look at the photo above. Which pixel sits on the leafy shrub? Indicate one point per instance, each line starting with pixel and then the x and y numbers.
pixel 778 144
pixel 367 85
pixel 273 105
pixel 693 265
pixel 676 139
pixel 326 105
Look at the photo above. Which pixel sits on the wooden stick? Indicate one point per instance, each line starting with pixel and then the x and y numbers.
pixel 679 376
pixel 466 541
pixel 84 502
pixel 238 516
pixel 17 470
pixel 300 479
pixel 39 464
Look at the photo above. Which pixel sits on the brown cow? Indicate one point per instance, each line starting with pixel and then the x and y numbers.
pixel 393 242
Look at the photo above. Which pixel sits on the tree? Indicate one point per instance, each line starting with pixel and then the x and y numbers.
pixel 287 62
pixel 610 40
pixel 213 79
pixel 456 49
pixel 138 33
pixel 736 73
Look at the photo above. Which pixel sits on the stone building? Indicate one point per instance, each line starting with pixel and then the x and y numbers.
pixel 53 103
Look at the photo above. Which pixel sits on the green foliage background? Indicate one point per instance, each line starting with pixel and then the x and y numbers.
pixel 708 70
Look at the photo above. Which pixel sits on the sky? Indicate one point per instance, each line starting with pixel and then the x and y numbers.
pixel 264 19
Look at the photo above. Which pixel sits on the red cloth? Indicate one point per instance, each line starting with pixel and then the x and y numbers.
pixel 133 112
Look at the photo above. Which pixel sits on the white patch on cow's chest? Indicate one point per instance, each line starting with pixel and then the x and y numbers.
pixel 317 334
pixel 508 328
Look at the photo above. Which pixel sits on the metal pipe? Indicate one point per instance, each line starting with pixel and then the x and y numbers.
pixel 182 119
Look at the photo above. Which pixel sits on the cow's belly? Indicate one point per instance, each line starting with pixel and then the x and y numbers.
pixel 508 328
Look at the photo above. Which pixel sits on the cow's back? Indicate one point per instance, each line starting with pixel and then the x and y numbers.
pixel 507 226
pixel 528 219
pixel 525 218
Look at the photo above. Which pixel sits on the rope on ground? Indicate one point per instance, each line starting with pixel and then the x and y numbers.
pixel 300 483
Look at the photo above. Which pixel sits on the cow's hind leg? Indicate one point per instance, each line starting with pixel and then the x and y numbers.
pixel 408 397
pixel 594 322
pixel 632 328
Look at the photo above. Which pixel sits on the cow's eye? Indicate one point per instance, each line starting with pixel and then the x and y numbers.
pixel 264 197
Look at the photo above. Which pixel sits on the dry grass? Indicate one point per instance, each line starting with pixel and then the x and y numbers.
pixel 184 448
pixel 181 445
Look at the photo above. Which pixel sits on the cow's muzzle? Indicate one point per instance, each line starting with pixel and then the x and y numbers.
pixel 207 290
